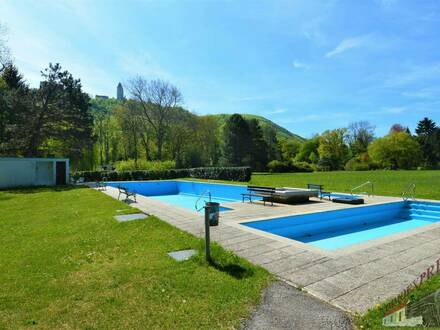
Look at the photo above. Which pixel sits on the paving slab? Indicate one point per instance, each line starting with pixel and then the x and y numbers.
pixel 130 217
pixel 182 255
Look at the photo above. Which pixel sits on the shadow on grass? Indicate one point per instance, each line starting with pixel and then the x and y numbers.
pixel 39 189
pixel 226 262
pixel 233 269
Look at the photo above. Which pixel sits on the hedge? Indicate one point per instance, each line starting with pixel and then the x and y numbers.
pixel 214 173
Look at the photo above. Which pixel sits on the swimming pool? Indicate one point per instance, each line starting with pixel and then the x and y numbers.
pixel 333 230
pixel 184 193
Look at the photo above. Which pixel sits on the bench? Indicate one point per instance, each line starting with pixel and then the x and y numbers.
pixel 320 189
pixel 124 191
pixel 255 191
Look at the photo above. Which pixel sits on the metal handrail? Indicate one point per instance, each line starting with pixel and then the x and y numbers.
pixel 200 197
pixel 409 192
pixel 363 185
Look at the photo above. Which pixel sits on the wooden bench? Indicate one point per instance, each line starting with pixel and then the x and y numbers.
pixel 255 191
pixel 320 188
pixel 124 191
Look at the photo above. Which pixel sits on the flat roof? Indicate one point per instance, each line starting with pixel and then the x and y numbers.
pixel 31 158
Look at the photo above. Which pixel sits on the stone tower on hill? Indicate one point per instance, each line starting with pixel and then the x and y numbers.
pixel 120 92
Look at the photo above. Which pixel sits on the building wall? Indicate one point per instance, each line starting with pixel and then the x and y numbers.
pixel 15 172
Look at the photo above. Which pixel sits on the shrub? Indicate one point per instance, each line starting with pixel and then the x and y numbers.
pixel 300 167
pixel 215 173
pixel 142 164
pixel 222 173
pixel 277 166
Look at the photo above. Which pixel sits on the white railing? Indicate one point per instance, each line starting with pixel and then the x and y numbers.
pixel 371 193
pixel 200 197
pixel 410 192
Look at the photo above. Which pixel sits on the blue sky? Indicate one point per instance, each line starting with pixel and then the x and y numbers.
pixel 307 65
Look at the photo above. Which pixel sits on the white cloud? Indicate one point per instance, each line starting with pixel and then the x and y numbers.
pixel 387 4
pixel 299 65
pixel 415 74
pixel 277 111
pixel 347 44
pixel 395 110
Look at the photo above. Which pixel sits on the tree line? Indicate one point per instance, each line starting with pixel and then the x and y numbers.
pixel 152 130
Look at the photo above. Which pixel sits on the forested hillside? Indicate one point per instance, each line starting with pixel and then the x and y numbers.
pixel 265 123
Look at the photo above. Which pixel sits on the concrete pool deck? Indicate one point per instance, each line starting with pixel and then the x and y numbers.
pixel 354 278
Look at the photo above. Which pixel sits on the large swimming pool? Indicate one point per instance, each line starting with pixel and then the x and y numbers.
pixel 185 193
pixel 333 230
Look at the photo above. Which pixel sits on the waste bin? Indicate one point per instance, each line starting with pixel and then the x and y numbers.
pixel 213 212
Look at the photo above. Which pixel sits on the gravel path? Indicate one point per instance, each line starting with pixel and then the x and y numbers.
pixel 284 307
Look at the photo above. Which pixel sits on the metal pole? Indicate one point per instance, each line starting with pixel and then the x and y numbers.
pixel 207 238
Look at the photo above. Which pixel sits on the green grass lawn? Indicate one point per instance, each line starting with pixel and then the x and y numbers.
pixel 373 318
pixel 66 263
pixel 387 183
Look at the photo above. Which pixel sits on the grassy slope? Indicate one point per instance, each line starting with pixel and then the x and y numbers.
pixel 373 318
pixel 65 262
pixel 282 133
pixel 389 183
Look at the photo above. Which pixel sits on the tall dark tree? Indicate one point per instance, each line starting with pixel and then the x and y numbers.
pixel 258 147
pixel 53 119
pixel 59 112
pixel 428 136
pixel 236 141
pixel 15 104
pixel 270 136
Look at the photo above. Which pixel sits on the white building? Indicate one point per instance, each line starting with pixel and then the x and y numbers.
pixel 17 172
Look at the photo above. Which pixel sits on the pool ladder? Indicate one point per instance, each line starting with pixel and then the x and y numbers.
pixel 371 193
pixel 200 197
pixel 410 192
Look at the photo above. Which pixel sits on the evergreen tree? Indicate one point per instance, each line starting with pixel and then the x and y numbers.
pixel 236 141
pixel 428 137
pixel 258 147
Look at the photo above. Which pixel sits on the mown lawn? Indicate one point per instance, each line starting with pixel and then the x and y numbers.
pixel 387 183
pixel 66 263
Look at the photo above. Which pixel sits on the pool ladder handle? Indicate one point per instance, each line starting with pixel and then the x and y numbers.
pixel 200 197
pixel 410 192
pixel 362 185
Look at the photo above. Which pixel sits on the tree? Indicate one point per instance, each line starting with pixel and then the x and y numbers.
pixel 270 136
pixel 258 147
pixel 182 130
pixel 396 128
pixel 59 112
pixel 309 151
pixel 15 104
pixel 428 137
pixel 5 57
pixel 332 147
pixel 289 149
pixel 157 98
pixel 360 135
pixel 208 140
pixel 396 151
pixel 236 140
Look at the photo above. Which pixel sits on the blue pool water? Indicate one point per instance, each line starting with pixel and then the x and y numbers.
pixel 184 193
pixel 338 229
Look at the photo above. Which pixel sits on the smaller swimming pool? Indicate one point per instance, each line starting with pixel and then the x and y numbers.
pixel 333 230
pixel 185 194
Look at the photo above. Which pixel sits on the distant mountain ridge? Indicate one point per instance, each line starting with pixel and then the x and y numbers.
pixel 282 133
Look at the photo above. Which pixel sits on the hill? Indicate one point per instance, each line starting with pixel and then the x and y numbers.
pixel 281 132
